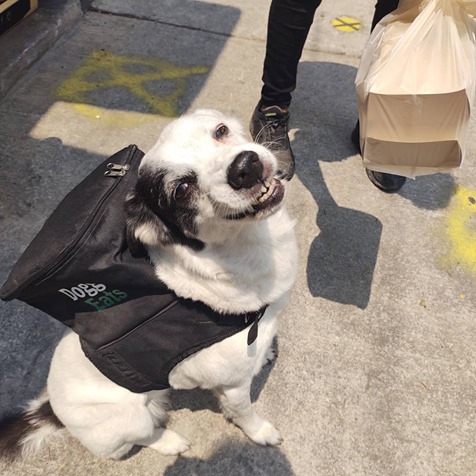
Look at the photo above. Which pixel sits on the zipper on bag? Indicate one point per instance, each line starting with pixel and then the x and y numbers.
pixel 116 170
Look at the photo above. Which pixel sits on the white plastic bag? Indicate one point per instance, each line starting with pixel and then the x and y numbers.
pixel 416 85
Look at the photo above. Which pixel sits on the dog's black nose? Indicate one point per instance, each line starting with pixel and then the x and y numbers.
pixel 245 171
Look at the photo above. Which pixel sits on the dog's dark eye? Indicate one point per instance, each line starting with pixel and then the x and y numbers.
pixel 181 190
pixel 221 132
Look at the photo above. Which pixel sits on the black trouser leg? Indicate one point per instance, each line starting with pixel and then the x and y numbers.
pixel 288 26
pixel 382 8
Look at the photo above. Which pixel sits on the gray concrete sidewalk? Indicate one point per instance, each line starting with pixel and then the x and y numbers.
pixel 376 366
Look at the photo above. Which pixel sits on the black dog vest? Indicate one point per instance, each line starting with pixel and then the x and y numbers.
pixel 80 270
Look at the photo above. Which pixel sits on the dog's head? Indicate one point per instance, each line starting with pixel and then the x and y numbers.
pixel 201 179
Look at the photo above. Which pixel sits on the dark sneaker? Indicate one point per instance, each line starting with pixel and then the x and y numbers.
pixel 388 183
pixel 269 127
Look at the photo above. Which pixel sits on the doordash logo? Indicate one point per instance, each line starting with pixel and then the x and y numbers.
pixel 95 295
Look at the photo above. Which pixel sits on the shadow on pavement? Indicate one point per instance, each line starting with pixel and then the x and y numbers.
pixel 342 257
pixel 234 459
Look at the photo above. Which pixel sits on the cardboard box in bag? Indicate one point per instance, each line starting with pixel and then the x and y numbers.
pixel 414 135
pixel 415 88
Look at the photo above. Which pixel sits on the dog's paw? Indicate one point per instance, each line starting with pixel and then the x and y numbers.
pixel 170 443
pixel 267 435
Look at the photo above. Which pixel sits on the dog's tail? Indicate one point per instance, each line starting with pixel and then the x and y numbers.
pixel 24 434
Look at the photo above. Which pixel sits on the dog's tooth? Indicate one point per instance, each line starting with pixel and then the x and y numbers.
pixel 263 197
pixel 266 195
pixel 266 190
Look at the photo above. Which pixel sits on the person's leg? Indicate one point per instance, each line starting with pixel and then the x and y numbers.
pixel 289 23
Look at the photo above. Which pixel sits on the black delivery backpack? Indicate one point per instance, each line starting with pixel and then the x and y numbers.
pixel 80 270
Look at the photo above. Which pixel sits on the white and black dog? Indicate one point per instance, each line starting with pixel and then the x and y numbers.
pixel 209 211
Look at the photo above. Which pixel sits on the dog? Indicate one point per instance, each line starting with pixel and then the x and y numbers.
pixel 209 211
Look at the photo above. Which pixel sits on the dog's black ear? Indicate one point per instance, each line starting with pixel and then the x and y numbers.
pixel 143 226
pixel 136 248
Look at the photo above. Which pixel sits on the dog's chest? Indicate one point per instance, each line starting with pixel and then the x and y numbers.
pixel 229 362
pixel 231 278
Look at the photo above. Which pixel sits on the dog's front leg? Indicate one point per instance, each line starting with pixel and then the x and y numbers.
pixel 236 406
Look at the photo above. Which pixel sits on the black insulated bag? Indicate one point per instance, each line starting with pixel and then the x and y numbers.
pixel 80 270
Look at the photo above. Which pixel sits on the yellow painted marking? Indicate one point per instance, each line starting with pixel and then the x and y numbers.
pixel 461 230
pixel 347 24
pixel 106 71
pixel 113 117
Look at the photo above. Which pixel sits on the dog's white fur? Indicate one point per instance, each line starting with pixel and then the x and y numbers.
pixel 245 264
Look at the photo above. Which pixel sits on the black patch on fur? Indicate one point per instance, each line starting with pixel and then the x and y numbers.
pixel 15 428
pixel 152 204
pixel 46 414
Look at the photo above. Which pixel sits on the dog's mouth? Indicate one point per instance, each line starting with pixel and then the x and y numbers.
pixel 271 195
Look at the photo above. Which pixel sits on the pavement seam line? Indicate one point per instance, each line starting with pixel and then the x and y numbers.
pixel 151 20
